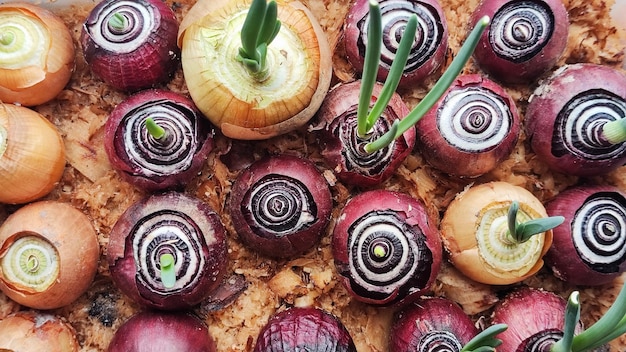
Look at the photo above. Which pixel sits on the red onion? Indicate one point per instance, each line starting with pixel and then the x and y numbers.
pixel 174 226
pixel 386 247
pixel 575 120
pixel 472 128
pixel 162 332
pixel 304 329
pixel 343 149
pixel 280 205
pixel 429 47
pixel 525 39
pixel 131 45
pixel 151 163
pixel 590 249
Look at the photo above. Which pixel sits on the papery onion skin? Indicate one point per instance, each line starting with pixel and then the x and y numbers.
pixel 380 218
pixel 430 324
pixel 151 331
pixel 173 223
pixel 34 159
pixel 596 253
pixel 149 62
pixel 482 137
pixel 71 234
pixel 535 320
pixel 579 149
pixel 29 83
pixel 261 182
pixel 142 161
pixel 477 205
pixel 304 329
pixel 239 105
pixel 428 50
pixel 547 48
pixel 31 331
pixel 336 130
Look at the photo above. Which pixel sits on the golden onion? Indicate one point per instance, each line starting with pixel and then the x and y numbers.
pixel 242 106
pixel 36 54
pixel 475 234
pixel 31 331
pixel 49 255
pixel 32 155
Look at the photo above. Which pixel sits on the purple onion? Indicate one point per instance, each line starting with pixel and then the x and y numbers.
pixel 471 129
pixel 304 329
pixel 168 224
pixel 162 332
pixel 342 148
pixel 429 47
pixel 157 163
pixel 386 248
pixel 131 45
pixel 590 248
pixel 431 324
pixel 567 115
pixel 525 39
pixel 280 206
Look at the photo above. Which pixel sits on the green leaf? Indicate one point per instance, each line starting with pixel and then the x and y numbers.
pixel 154 129
pixel 168 270
pixel 370 66
pixel 251 28
pixel 268 26
pixel 486 340
pixel 383 140
pixel 526 230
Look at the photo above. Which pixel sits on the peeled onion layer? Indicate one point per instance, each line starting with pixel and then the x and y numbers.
pixel 474 233
pixel 32 155
pixel 590 247
pixel 39 62
pixel 299 61
pixel 31 331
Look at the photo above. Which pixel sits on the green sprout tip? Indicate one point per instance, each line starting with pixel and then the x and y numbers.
pixel 168 270
pixel 522 232
pixel 615 131
pixel 118 22
pixel 156 131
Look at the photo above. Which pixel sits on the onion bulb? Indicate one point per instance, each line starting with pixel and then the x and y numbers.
pixel 49 255
pixel 386 247
pixel 475 229
pixel 31 331
pixel 32 155
pixel 244 104
pixel 168 251
pixel 36 54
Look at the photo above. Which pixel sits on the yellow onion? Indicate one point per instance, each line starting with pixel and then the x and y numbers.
pixel 49 255
pixel 32 155
pixel 36 54
pixel 475 234
pixel 242 106
pixel 30 331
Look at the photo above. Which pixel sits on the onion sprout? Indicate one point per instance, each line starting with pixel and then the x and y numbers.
pixel 259 29
pixel 615 131
pixel 154 129
pixel 7 38
pixel 118 22
pixel 168 272
pixel 572 315
pixel 486 340
pixel 522 232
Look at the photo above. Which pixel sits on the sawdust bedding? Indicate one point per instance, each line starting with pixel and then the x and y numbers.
pixel 92 186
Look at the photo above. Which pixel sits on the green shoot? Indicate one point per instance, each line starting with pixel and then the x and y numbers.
pixel 259 29
pixel 486 340
pixel 522 232
pixel 154 129
pixel 118 22
pixel 168 270
pixel 615 131
pixel 7 38
pixel 441 86
pixel 572 315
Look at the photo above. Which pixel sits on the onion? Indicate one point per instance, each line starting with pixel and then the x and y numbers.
pixel 591 248
pixel 157 162
pixel 280 206
pixel 32 155
pixel 386 248
pixel 472 128
pixel 427 51
pixel 525 39
pixel 162 332
pixel 576 120
pixel 168 251
pixel 36 54
pixel 30 331
pixel 476 233
pixel 284 96
pixel 131 45
pixel 49 255
pixel 304 329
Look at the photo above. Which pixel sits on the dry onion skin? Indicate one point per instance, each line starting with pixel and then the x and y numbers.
pixel 30 331
pixel 475 234
pixel 36 54
pixel 32 155
pixel 49 255
pixel 299 61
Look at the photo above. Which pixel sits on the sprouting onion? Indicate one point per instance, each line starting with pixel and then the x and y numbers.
pixel 259 30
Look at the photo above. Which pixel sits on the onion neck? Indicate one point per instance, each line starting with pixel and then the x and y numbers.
pixel 30 263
